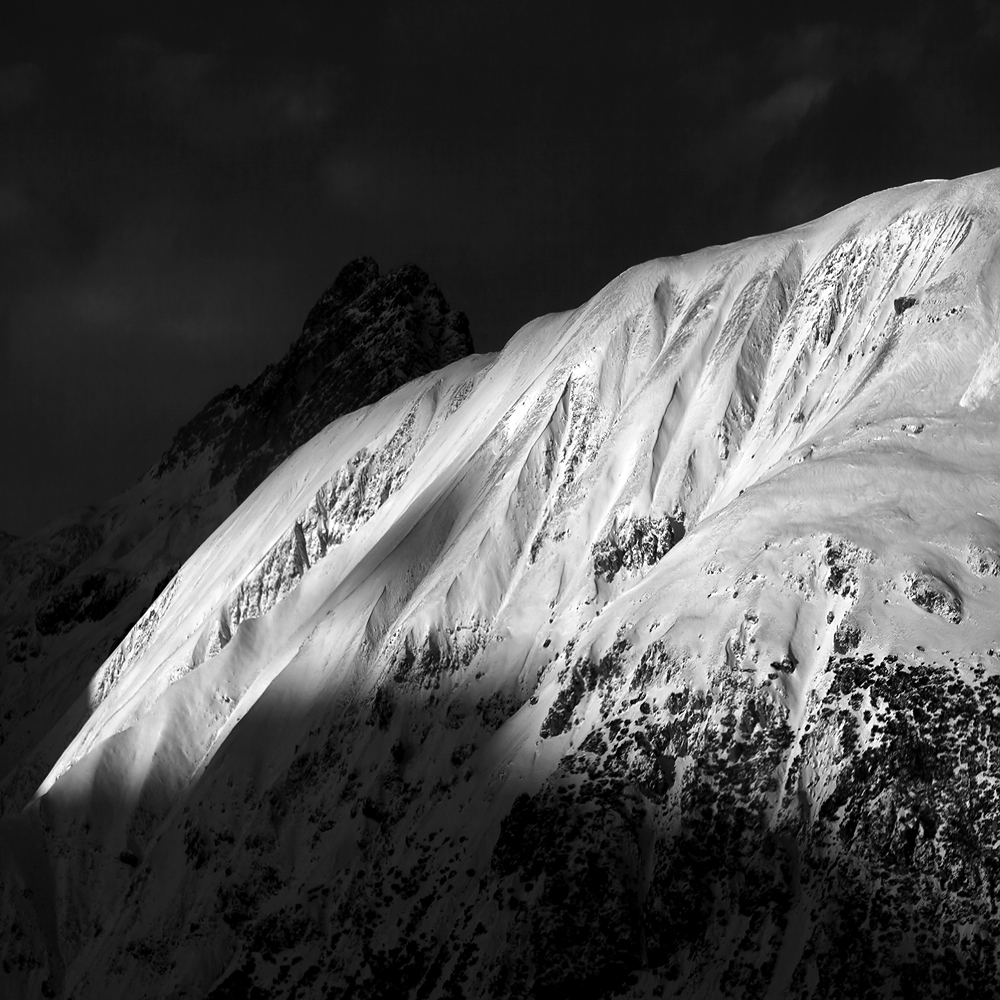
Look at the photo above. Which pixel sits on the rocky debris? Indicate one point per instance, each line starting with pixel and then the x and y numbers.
pixel 843 559
pixel 983 560
pixel 786 664
pixel 928 591
pixel 678 840
pixel 636 544
pixel 748 856
pixel 847 637
pixel 561 713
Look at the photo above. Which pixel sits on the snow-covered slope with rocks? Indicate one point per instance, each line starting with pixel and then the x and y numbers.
pixel 71 592
pixel 657 655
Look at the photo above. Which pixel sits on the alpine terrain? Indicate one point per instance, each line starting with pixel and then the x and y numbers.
pixel 73 591
pixel 655 656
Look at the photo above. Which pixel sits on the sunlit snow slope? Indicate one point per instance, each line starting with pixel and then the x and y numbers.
pixel 657 654
pixel 71 591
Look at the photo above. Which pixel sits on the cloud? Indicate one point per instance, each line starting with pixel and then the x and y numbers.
pixel 805 196
pixel 787 106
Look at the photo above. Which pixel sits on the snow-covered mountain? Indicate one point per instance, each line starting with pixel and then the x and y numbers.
pixel 658 655
pixel 71 592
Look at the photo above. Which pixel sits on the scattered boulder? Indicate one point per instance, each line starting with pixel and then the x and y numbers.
pixel 934 595
pixel 983 560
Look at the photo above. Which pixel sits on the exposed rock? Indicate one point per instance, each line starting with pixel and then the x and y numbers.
pixel 930 592
pixel 635 544
pixel 983 560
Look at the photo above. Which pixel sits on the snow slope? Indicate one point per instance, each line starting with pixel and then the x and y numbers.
pixel 71 592
pixel 657 655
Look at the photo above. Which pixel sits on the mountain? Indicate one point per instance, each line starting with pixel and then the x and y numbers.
pixel 70 593
pixel 656 656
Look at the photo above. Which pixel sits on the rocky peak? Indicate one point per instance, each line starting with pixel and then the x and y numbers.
pixel 354 278
pixel 70 592
pixel 366 336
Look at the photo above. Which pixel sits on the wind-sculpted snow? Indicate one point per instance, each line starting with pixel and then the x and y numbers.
pixel 131 648
pixel 87 585
pixel 656 656
pixel 340 506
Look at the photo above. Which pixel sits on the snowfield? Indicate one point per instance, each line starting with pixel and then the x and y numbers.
pixel 657 655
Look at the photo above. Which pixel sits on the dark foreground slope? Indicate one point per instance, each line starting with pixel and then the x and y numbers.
pixel 70 593
pixel 656 656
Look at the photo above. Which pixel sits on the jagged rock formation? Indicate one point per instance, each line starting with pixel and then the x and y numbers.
pixel 366 336
pixel 653 657
pixel 72 592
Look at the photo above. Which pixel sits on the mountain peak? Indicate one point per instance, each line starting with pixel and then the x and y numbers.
pixel 70 592
pixel 367 335
pixel 354 278
pixel 653 657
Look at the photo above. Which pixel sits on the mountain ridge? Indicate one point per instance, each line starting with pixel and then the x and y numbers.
pixel 73 590
pixel 654 656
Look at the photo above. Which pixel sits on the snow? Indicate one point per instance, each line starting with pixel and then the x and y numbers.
pixel 420 578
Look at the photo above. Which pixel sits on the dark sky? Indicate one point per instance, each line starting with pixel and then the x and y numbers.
pixel 177 188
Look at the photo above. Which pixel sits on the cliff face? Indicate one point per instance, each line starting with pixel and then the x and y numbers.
pixel 655 656
pixel 70 593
